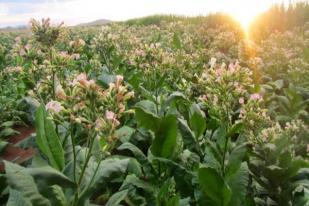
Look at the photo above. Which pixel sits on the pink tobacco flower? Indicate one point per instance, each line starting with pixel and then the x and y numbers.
pixel 60 92
pixel 17 69
pixel 27 47
pixel 119 79
pixel 53 106
pixel 111 116
pixel 18 39
pixel 255 96
pixel 81 77
pixel 22 52
pixel 82 80
pixel 241 100
pixel 219 72
pixel 99 124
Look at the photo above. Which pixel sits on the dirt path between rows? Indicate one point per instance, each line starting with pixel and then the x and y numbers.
pixel 14 153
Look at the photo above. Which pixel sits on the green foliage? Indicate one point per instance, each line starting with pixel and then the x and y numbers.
pixel 44 32
pixel 48 140
pixel 214 186
pixel 162 110
pixel 277 170
pixel 291 105
pixel 166 138
pixel 285 17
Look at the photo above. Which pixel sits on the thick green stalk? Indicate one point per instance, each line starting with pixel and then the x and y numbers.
pixel 82 173
pixel 74 153
pixel 226 141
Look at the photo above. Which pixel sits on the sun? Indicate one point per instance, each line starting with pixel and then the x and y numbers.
pixel 246 17
pixel 245 11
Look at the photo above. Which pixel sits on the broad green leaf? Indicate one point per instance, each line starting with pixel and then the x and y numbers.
pixel 188 136
pixel 184 202
pixel 266 87
pixel 221 136
pixel 98 174
pixel 147 106
pixel 173 201
pixel 147 94
pixel 172 98
pixel 48 140
pixel 3 144
pixel 6 132
pixel 163 194
pixel 133 180
pixel 302 198
pixel 188 158
pixel 165 142
pixel 134 167
pixel 105 79
pixel 70 167
pixel 279 83
pixel 124 133
pixel 235 159
pixel 116 198
pixel 183 176
pixel 197 120
pixel 214 186
pixel 16 199
pixel 235 129
pixel 7 124
pixel 33 104
pixel 146 115
pixel 19 180
pixel 284 100
pixel 60 198
pixel 135 80
pixel 47 175
pixel 238 182
pixel 176 41
pixel 140 191
pixel 38 161
pixel 295 166
pixel 135 150
pixel 212 157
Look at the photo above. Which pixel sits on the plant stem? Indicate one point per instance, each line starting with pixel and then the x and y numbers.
pixel 82 173
pixel 86 162
pixel 74 153
pixel 95 173
pixel 224 155
pixel 53 72
pixel 226 142
pixel 156 90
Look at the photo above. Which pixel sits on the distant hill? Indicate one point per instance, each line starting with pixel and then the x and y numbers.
pixel 95 23
pixel 24 27
pixel 14 28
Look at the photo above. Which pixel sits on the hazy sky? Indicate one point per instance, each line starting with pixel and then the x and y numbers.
pixel 19 12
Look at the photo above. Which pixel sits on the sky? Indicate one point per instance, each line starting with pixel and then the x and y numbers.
pixel 72 12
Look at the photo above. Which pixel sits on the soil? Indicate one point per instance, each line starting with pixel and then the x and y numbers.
pixel 24 133
pixel 14 153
